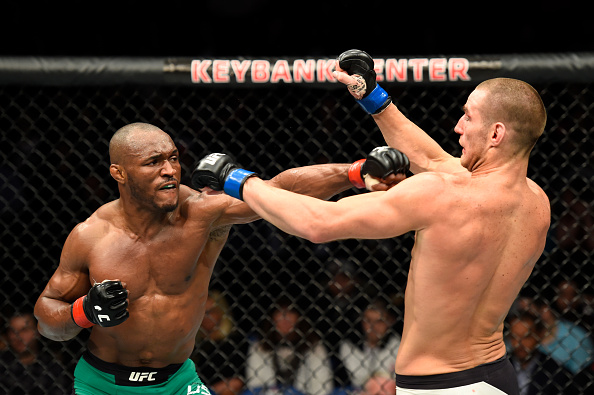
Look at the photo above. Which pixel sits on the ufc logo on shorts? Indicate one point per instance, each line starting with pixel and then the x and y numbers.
pixel 199 389
pixel 141 376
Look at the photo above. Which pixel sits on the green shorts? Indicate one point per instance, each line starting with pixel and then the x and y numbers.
pixel 93 376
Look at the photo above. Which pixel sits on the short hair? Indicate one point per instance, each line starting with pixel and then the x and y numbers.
pixel 518 105
pixel 119 143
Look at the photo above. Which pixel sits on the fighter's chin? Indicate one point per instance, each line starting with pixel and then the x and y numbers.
pixel 169 208
pixel 464 162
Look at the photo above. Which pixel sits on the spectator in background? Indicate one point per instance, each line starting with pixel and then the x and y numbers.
pixel 376 352
pixel 568 343
pixel 339 311
pixel 25 367
pixel 573 304
pixel 380 384
pixel 289 358
pixel 538 374
pixel 220 350
pixel 575 230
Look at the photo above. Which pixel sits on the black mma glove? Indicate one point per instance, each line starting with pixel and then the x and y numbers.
pixel 106 305
pixel 372 97
pixel 219 172
pixel 380 163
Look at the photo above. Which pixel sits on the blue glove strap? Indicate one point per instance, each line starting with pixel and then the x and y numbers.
pixel 234 182
pixel 374 100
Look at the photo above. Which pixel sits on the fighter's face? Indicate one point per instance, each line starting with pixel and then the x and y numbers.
pixel 153 173
pixel 472 129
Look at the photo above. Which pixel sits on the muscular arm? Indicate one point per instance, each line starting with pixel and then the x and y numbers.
pixel 320 181
pixel 399 132
pixel 70 281
pixel 423 152
pixel 367 216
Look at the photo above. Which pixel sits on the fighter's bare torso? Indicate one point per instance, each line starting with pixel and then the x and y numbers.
pixel 166 273
pixel 488 233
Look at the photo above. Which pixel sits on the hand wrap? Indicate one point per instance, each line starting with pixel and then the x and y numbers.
pixel 370 96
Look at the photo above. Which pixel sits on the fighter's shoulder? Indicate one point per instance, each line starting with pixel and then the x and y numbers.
pixel 537 190
pixel 195 204
pixel 428 182
pixel 87 235
pixel 215 209
pixel 540 197
pixel 97 225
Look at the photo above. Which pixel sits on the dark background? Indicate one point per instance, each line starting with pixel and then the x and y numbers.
pixel 53 140
pixel 297 28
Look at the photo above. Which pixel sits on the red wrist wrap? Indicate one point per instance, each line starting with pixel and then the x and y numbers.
pixel 78 314
pixel 355 174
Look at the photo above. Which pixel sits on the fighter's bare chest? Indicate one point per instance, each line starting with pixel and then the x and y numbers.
pixel 168 263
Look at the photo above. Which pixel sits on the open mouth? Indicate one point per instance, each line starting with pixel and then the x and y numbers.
pixel 168 186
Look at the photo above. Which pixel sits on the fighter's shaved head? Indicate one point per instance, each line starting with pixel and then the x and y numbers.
pixel 519 105
pixel 121 143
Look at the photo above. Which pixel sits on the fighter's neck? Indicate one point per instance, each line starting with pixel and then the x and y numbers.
pixel 510 169
pixel 143 222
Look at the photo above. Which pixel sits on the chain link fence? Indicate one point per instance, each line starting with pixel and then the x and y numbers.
pixel 54 174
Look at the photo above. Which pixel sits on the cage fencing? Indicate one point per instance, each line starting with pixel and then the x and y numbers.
pixel 56 119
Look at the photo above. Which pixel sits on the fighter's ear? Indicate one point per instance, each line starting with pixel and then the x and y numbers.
pixel 118 173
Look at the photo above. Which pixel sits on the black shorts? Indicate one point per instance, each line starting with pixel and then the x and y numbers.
pixel 493 378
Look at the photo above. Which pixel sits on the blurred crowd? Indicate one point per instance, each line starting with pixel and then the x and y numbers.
pixel 352 352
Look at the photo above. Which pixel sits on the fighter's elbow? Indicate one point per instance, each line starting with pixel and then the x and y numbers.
pixel 57 336
pixel 317 232
pixel 54 330
pixel 317 237
pixel 45 333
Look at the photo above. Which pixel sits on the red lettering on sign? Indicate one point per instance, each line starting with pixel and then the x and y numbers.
pixel 417 66
pixel 240 69
pixel 396 70
pixel 260 71
pixel 378 67
pixel 220 71
pixel 199 71
pixel 437 69
pixel 281 71
pixel 304 70
pixel 458 69
pixel 325 68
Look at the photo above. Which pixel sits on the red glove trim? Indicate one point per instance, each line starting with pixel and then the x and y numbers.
pixel 78 314
pixel 355 174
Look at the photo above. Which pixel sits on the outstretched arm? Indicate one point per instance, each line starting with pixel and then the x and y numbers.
pixel 384 167
pixel 373 215
pixel 355 69
pixel 320 181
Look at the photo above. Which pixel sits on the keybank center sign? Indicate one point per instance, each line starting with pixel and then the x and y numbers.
pixel 261 71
